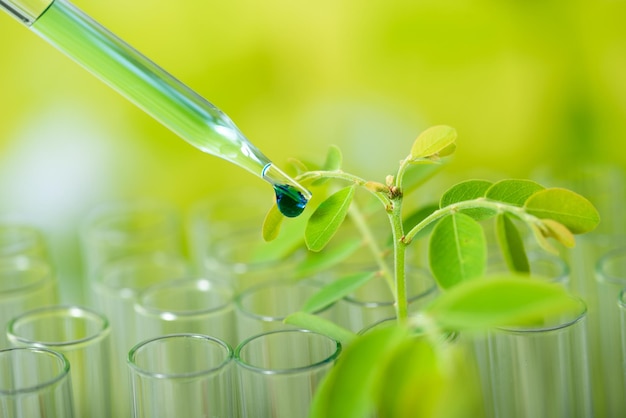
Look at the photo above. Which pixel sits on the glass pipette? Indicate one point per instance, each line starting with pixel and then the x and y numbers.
pixel 154 90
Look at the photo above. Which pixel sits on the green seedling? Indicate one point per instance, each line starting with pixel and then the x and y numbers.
pixel 410 369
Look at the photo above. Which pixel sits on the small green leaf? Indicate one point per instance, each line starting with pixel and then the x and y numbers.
pixel 336 290
pixel 320 325
pixel 417 175
pixel 457 250
pixel 465 190
pixel 298 166
pixel 347 390
pixel 514 192
pixel 333 162
pixel 559 232
pixel 290 240
pixel 564 206
pixel 331 256
pixel 540 236
pixel 433 141
pixel 271 224
pixel 327 218
pixel 334 159
pixel 511 244
pixel 468 190
pixel 449 150
pixel 502 300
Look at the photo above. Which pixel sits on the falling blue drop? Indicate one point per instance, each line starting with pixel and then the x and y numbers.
pixel 289 200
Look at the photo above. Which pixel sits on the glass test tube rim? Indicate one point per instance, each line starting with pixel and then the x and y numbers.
pixel 179 376
pixel 579 316
pixel 64 370
pixel 171 314
pixel 291 371
pixel 269 318
pixel 76 312
pixel 24 261
pixel 431 289
pixel 601 266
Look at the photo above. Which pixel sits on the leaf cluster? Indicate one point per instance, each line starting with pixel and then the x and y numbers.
pixel 409 354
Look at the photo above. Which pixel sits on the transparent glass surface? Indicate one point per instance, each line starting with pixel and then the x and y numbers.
pixel 34 383
pixel 82 336
pixel 25 283
pixel 182 375
pixel 540 371
pixel 115 293
pixel 280 371
pixel 199 306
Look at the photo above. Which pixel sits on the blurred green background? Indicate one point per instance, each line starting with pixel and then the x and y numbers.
pixel 531 86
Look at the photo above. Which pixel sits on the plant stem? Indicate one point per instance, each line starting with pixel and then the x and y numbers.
pixel 399 252
pixel 482 203
pixel 370 241
pixel 341 175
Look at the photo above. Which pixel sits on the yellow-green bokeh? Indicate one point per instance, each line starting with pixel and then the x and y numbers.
pixel 527 84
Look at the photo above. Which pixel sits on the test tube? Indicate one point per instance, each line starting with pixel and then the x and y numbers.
pixel 35 383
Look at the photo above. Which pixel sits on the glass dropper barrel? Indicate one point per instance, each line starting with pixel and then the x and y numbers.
pixel 154 90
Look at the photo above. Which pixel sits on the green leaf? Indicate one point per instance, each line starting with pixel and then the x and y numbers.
pixel 465 190
pixel 413 368
pixel 334 159
pixel 540 236
pixel 559 232
pixel 457 250
pixel 333 162
pixel 502 300
pixel 347 391
pixel 511 244
pixel 468 190
pixel 320 325
pixel 290 240
pixel 298 166
pixel 271 224
pixel 433 141
pixel 336 290
pixel 566 207
pixel 327 218
pixel 331 256
pixel 514 192
pixel 417 175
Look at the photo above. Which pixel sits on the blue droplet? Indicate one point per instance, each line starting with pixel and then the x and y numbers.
pixel 289 200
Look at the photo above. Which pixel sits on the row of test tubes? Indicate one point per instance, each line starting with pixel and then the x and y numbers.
pixel 166 331
pixel 182 316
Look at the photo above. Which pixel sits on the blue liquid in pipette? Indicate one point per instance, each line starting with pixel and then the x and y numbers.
pixel 290 201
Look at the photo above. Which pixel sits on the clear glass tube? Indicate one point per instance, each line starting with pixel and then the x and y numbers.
pixel 34 383
pixel 374 302
pixel 21 239
pixel 263 308
pixel 153 90
pixel 120 229
pixel 541 371
pixel 225 240
pixel 182 375
pixel 622 311
pixel 199 306
pixel 115 293
pixel 279 372
pixel 82 336
pixel 543 266
pixel 25 283
pixel 611 279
